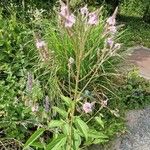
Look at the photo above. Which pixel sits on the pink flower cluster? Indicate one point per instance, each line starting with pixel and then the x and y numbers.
pixel 111 22
pixel 87 107
pixel 69 18
pixel 92 17
pixel 111 28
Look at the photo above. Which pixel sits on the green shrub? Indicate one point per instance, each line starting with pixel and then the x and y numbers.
pixel 134 8
pixel 15 59
pixel 135 92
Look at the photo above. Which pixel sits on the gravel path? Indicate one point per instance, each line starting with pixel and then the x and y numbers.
pixel 138 136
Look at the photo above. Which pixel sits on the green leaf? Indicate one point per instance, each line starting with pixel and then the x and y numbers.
pixel 57 143
pixel 100 121
pixel 61 111
pixel 97 135
pixel 38 145
pixel 82 127
pixel 67 100
pixel 34 137
pixel 55 123
pixel 98 141
pixel 76 140
pixel 66 129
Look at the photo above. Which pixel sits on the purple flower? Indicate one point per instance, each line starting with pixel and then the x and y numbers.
pixel 87 107
pixel 40 44
pixel 110 42
pixel 70 20
pixel 93 18
pixel 84 10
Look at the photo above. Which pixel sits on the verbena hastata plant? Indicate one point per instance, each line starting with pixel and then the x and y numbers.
pixel 82 51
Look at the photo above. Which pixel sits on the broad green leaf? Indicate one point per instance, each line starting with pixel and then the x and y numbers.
pixel 95 134
pixel 67 100
pixel 66 129
pixel 98 141
pixel 82 127
pixel 38 145
pixel 57 143
pixel 55 123
pixel 34 137
pixel 100 121
pixel 61 111
pixel 76 140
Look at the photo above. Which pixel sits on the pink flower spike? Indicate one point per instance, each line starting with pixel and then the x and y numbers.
pixel 70 20
pixel 84 10
pixel 110 42
pixel 64 10
pixel 112 29
pixel 87 107
pixel 111 21
pixel 40 44
pixel 93 18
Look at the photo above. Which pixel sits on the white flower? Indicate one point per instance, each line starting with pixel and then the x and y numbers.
pixel 104 103
pixel 71 60
pixel 117 46
pixel 40 44
pixel 35 107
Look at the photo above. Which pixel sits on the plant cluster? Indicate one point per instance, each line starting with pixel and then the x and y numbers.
pixel 80 54
pixel 58 79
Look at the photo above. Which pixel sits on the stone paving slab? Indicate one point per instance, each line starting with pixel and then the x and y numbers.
pixel 140 57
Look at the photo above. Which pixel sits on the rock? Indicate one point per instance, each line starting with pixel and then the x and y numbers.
pixel 140 57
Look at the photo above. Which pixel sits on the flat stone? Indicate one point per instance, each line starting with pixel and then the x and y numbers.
pixel 140 57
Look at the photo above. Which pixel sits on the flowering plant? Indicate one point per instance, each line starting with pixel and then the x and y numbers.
pixel 83 49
